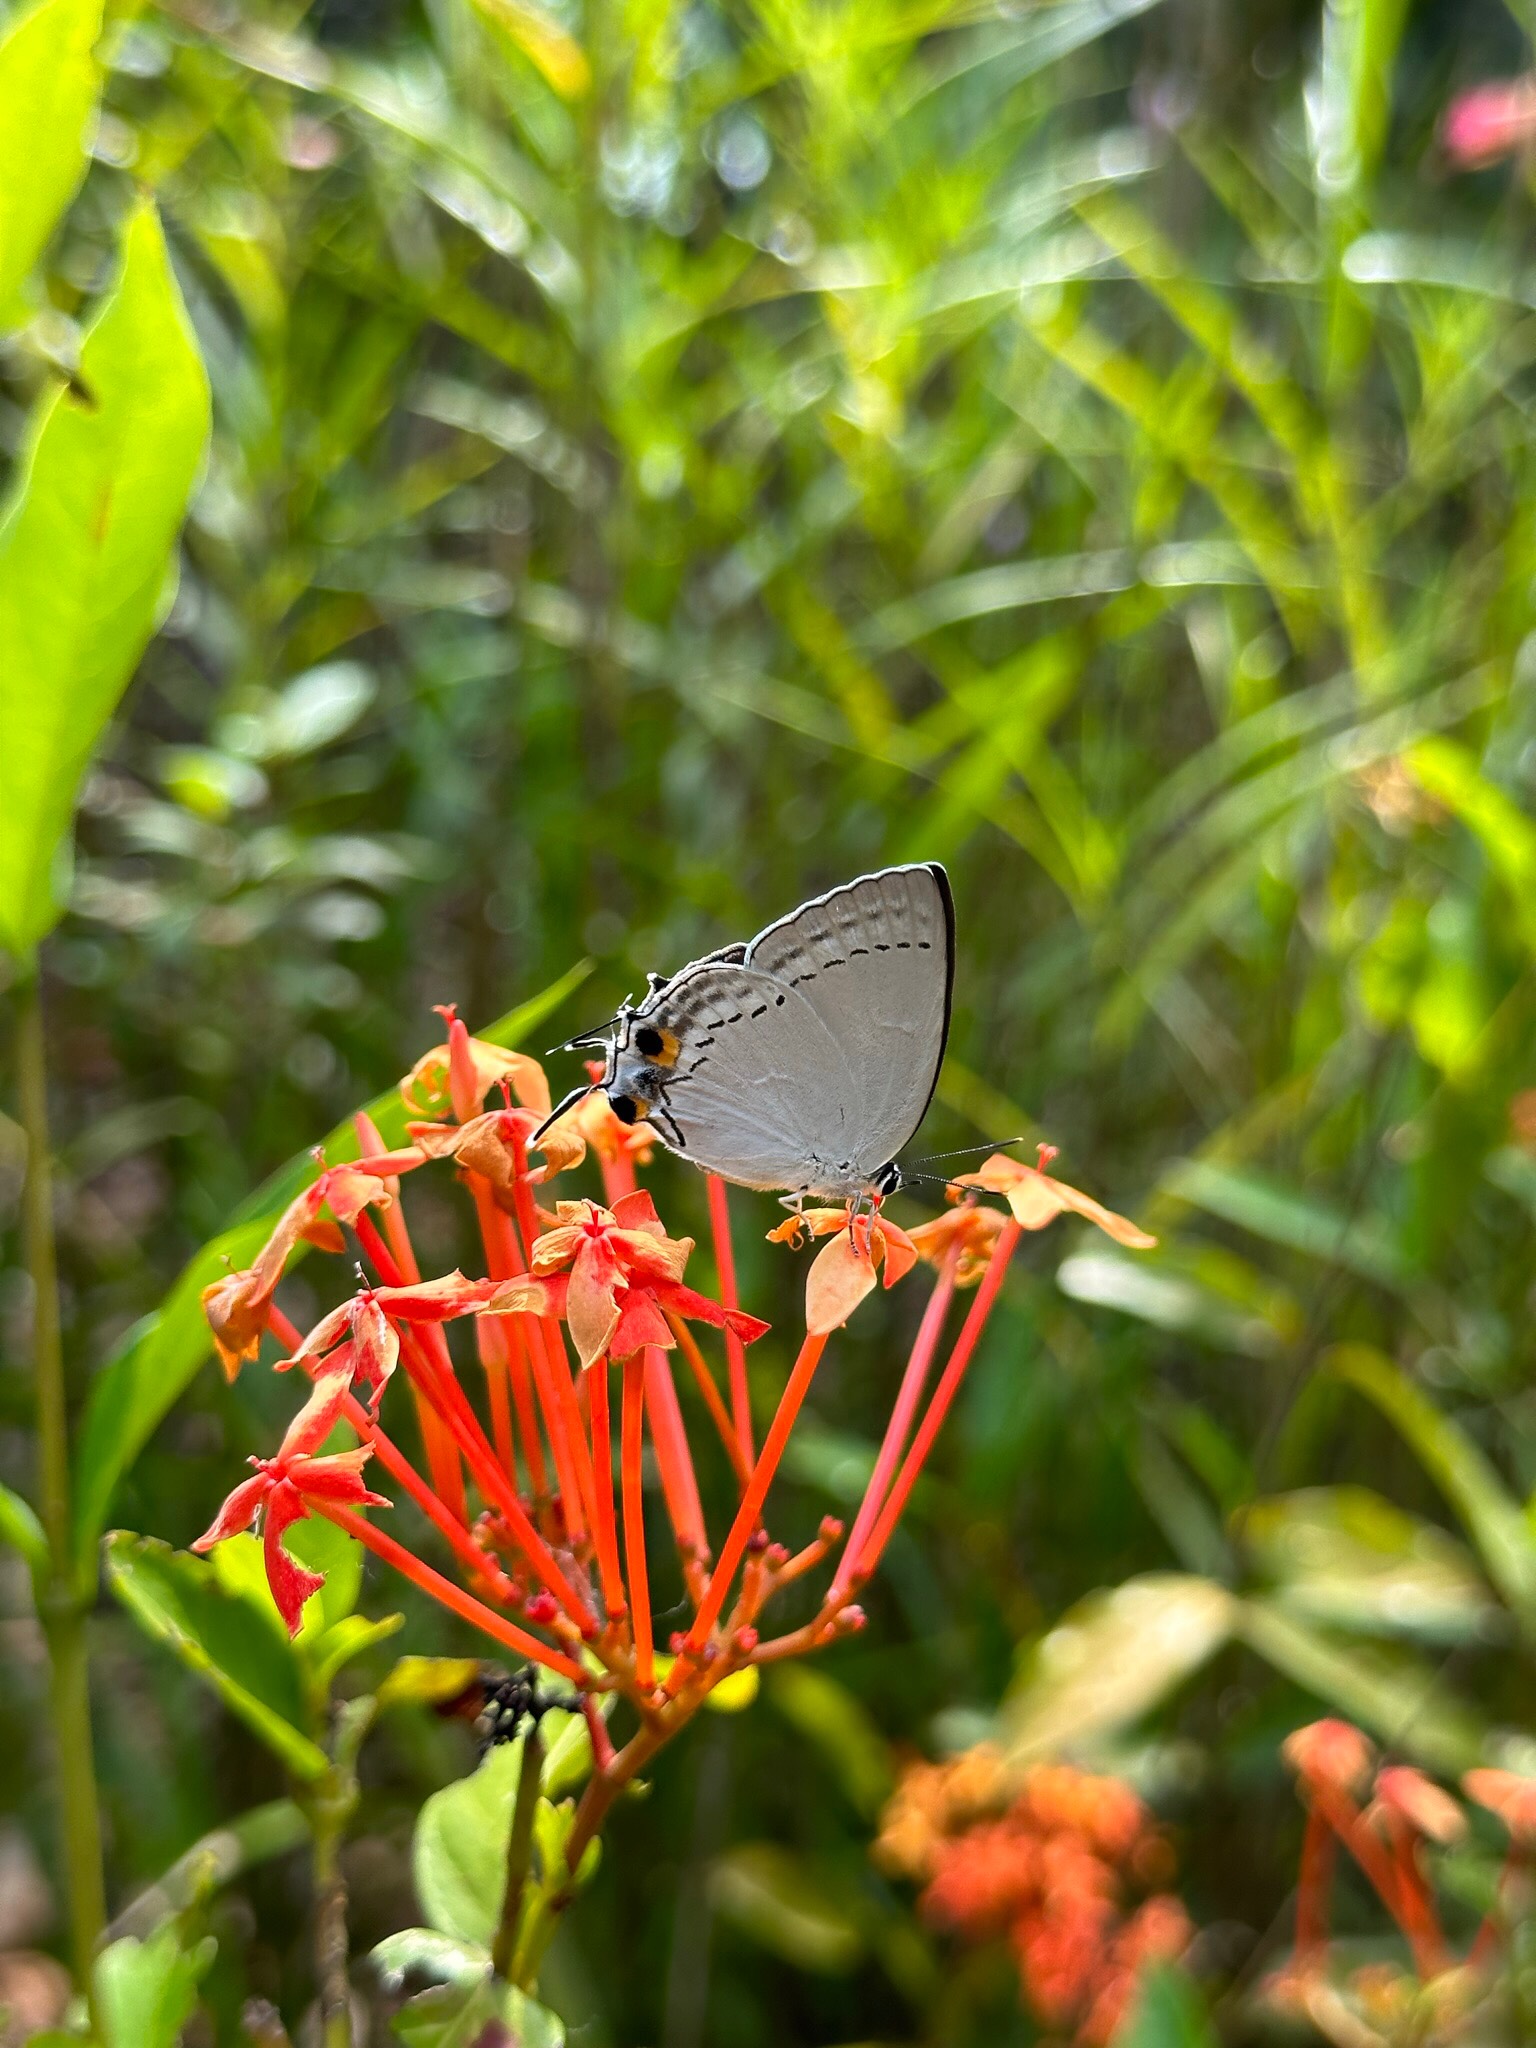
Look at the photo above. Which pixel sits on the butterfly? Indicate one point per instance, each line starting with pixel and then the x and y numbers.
pixel 804 1059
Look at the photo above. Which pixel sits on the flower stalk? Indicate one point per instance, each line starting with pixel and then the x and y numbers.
pixel 62 1602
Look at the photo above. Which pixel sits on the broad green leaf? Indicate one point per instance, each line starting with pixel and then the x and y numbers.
pixel 159 1355
pixel 1111 1659
pixel 177 1599
pixel 255 1836
pixel 463 2016
pixel 425 1681
pixel 828 1716
pixel 1168 2013
pixel 1490 1515
pixel 1343 1556
pixel 770 1893
pixel 435 1956
pixel 20 1528
pixel 145 1991
pixel 86 549
pixel 349 1638
pixel 1287 1216
pixel 1452 775
pixel 1401 1699
pixel 49 83
pixel 459 1855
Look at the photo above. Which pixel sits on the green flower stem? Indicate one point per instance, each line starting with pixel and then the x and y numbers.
pixel 519 1852
pixel 329 1807
pixel 62 1604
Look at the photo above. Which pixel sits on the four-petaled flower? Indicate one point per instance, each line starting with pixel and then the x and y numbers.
pixel 623 1274
pixel 970 1226
pixel 843 1272
pixel 1037 1200
pixel 286 1486
pixel 238 1305
pixel 361 1336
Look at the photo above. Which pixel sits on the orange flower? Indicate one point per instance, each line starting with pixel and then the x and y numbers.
pixel 843 1272
pixel 1037 1200
pixel 1408 1794
pixel 623 1273
pixel 484 1146
pixel 1332 1754
pixel 971 1225
pixel 285 1487
pixel 237 1307
pixel 362 1331
pixel 1510 1796
pixel 454 1079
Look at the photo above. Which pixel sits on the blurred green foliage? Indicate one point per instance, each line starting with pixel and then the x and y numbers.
pixel 667 458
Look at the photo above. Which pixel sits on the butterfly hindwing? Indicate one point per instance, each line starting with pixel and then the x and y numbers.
pixel 875 960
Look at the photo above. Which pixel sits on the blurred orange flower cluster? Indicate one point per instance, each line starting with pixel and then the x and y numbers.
pixel 1068 1867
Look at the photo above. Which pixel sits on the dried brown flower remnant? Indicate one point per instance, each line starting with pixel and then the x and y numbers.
pixel 1050 1861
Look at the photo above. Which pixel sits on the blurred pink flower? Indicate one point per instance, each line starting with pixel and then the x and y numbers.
pixel 1488 122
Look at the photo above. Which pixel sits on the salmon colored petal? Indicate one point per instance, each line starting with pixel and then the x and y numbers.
pixel 236 1312
pixel 291 1584
pixel 638 1212
pixel 840 1277
pixel 900 1253
pixel 640 1323
pixel 237 1513
pixel 661 1258
pixel 557 1247
pixel 1120 1228
pixel 375 1348
pixel 436 1301
pixel 318 1417
pixel 338 1478
pixel 530 1295
pixel 591 1307
pixel 327 1333
pixel 698 1308
pixel 349 1192
pixel 324 1235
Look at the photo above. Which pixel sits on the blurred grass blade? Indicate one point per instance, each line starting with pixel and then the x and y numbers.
pixel 1489 1513
pixel 49 83
pixel 85 551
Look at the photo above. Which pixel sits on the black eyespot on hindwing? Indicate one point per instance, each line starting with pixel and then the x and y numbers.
pixel 649 1041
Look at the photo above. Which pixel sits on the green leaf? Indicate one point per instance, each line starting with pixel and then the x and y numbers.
pixel 145 1991
pixel 425 1681
pixel 458 2016
pixel 1390 1691
pixel 253 1837
pixel 1490 1515
pixel 20 1528
pixel 436 1956
pixel 177 1598
pixel 1111 1659
pixel 49 83
pixel 349 1638
pixel 1168 2013
pixel 1286 1216
pixel 1343 1556
pixel 85 549
pixel 459 1856
pixel 159 1356
pixel 768 1892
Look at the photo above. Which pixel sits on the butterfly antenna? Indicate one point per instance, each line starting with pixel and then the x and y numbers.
pixel 970 1151
pixel 595 1034
pixel 569 1102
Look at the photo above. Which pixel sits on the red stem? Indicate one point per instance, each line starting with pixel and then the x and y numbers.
pixel 556 1393
pixel 1312 1891
pixel 634 1521
pixel 673 1457
pixel 704 1379
pixel 395 1264
pixel 491 1336
pixel 451 1596
pixel 597 1729
pixel 506 1262
pixel 938 1407
pixel 604 1528
pixel 752 1500
pixel 914 1379
pixel 735 1350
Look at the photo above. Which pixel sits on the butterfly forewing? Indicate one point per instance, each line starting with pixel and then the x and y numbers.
pixel 759 1091
pixel 875 960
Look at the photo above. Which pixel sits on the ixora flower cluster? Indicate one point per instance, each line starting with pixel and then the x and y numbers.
pixel 1050 1859
pixel 519 1482
pixel 1392 1819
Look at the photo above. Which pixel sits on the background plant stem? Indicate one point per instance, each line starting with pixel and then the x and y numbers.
pixel 61 1603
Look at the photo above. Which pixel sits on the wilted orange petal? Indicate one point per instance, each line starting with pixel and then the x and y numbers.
pixel 1120 1228
pixel 591 1310
pixel 840 1277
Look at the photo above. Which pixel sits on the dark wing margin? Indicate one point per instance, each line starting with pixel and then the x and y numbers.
pixel 946 898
